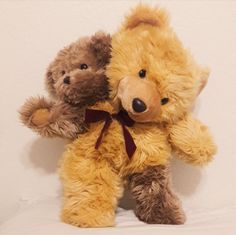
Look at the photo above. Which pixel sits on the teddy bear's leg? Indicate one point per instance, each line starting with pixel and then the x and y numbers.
pixel 91 192
pixel 155 201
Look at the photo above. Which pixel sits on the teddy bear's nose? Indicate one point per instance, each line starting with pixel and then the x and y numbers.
pixel 138 105
pixel 67 80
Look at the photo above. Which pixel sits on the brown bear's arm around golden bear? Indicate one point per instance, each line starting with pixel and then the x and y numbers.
pixel 51 119
pixel 192 141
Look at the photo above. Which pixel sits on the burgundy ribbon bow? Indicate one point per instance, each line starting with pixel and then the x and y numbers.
pixel 93 115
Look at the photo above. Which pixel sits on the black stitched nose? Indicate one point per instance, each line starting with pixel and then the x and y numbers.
pixel 67 80
pixel 138 105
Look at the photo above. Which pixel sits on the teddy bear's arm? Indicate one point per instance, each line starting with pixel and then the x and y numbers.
pixel 192 141
pixel 67 121
pixel 50 119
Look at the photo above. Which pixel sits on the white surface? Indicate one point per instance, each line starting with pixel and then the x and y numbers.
pixel 31 32
pixel 41 218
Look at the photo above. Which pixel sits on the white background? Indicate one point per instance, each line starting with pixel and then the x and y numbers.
pixel 31 33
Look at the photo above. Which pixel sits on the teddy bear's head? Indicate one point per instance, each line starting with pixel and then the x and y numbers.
pixel 151 75
pixel 77 74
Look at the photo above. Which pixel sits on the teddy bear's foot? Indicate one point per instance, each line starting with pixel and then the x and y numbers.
pixel 88 219
pixel 161 210
pixel 155 201
pixel 91 191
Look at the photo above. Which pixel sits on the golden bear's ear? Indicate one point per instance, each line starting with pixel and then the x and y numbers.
pixel 204 74
pixel 144 14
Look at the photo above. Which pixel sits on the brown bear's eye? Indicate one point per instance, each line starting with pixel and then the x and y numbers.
pixel 83 66
pixel 164 101
pixel 63 72
pixel 142 73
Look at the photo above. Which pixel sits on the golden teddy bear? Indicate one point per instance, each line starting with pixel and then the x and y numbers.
pixel 155 80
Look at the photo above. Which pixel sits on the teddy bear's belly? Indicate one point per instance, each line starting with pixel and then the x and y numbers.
pixel 151 142
pixel 113 147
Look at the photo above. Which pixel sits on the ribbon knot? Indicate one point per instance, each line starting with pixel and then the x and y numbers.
pixel 93 115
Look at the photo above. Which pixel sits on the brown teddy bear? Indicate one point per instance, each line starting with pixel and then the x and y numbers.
pixel 153 82
pixel 75 80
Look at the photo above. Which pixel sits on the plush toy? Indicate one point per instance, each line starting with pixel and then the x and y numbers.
pixel 153 82
pixel 75 80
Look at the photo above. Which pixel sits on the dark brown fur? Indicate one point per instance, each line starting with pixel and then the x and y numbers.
pixel 155 201
pixel 64 120
pixel 86 87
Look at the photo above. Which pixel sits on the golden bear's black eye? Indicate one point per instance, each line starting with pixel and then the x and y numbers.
pixel 142 73
pixel 63 72
pixel 83 66
pixel 164 101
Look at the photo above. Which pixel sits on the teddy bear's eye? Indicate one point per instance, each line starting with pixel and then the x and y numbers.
pixel 63 72
pixel 142 73
pixel 164 101
pixel 83 66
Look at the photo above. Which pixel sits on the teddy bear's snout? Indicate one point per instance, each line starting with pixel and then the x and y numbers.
pixel 78 76
pixel 140 98
pixel 138 105
pixel 66 80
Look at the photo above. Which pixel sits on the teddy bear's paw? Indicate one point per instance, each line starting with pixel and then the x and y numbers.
pixel 40 117
pixel 201 155
pixel 35 111
pixel 198 151
pixel 192 141
pixel 88 219
pixel 161 216
pixel 165 209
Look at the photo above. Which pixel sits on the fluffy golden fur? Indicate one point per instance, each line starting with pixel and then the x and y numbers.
pixel 95 171
pixel 191 141
pixel 173 73
pixel 75 80
pixel 150 64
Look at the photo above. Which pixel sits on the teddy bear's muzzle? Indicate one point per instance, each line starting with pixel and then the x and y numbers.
pixel 151 114
pixel 140 98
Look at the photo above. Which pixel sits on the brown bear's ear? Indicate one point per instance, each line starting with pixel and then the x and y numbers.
pixel 144 14
pixel 100 45
pixel 49 82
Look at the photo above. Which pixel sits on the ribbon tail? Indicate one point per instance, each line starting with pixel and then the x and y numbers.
pixel 105 127
pixel 130 146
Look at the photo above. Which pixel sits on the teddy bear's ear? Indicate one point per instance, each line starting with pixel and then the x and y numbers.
pixel 100 44
pixel 204 74
pixel 49 82
pixel 144 14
